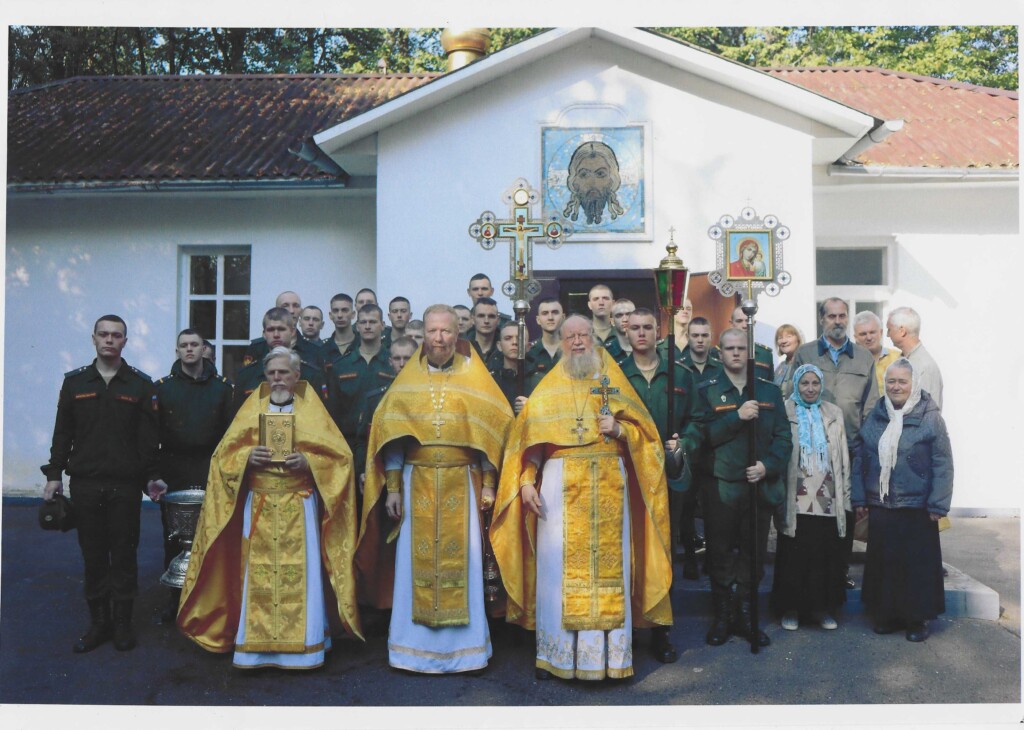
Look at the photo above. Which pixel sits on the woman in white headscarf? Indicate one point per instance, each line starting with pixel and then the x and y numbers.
pixel 810 564
pixel 903 479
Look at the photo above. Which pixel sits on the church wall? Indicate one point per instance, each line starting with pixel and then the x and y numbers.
pixel 949 249
pixel 714 152
pixel 71 259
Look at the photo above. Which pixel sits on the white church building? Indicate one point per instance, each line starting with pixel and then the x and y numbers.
pixel 178 201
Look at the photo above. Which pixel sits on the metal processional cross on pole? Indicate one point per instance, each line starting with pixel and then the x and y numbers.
pixel 520 230
pixel 748 258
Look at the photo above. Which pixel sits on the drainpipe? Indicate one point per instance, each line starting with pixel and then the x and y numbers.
pixel 310 152
pixel 875 135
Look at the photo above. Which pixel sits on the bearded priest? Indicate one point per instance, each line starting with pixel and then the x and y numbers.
pixel 581 524
pixel 436 439
pixel 278 517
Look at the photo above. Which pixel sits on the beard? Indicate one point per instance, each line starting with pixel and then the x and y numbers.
pixel 594 202
pixel 439 355
pixel 583 365
pixel 836 332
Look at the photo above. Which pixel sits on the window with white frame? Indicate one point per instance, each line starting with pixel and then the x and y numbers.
pixel 215 299
pixel 860 273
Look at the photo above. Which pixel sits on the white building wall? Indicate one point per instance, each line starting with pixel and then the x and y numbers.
pixel 952 262
pixel 713 153
pixel 73 258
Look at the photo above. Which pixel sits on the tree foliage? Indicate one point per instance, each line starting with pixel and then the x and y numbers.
pixel 985 55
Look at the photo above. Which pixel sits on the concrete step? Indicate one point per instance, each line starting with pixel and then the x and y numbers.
pixel 965 596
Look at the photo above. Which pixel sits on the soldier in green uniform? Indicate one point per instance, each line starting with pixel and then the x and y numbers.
pixel 599 302
pixel 105 438
pixel 465 319
pixel 194 406
pixel 400 352
pixel 683 497
pixel 311 324
pixel 546 351
pixel 479 288
pixel 399 314
pixel 484 333
pixel 504 374
pixel 344 339
pixel 727 497
pixel 764 361
pixel 362 370
pixel 647 372
pixel 702 359
pixel 618 346
pixel 308 351
pixel 278 331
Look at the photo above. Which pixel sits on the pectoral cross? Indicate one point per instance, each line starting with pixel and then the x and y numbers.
pixel 437 423
pixel 579 430
pixel 604 391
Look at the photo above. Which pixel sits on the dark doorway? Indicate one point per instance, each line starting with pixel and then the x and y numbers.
pixel 571 288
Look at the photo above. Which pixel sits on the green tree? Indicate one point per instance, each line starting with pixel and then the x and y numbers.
pixel 985 55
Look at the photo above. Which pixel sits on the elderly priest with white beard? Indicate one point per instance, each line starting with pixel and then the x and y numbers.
pixel 582 490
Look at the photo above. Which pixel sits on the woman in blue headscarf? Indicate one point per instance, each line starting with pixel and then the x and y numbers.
pixel 810 559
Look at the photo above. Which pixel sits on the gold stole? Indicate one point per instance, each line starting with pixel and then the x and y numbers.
pixel 439 539
pixel 275 602
pixel 593 596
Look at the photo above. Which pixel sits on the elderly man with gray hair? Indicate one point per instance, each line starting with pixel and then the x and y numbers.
pixel 867 331
pixel 271 564
pixel 904 329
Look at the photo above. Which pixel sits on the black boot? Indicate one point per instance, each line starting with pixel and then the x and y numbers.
pixel 661 645
pixel 99 626
pixel 124 638
pixel 718 634
pixel 170 612
pixel 690 569
pixel 741 625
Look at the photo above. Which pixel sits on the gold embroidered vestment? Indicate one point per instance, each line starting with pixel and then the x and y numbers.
pixel 592 502
pixel 210 607
pixel 445 434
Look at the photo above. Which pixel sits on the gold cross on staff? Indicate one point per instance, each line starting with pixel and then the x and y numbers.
pixel 604 391
pixel 437 423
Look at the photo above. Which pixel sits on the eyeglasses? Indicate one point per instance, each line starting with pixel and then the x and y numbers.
pixel 582 336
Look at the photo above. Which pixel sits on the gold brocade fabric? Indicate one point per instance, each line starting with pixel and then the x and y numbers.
pixel 474 415
pixel 211 597
pixel 440 535
pixel 275 602
pixel 549 424
pixel 592 576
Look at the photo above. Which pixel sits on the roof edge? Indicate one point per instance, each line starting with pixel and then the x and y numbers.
pixel 169 186
pixel 991 90
pixel 671 51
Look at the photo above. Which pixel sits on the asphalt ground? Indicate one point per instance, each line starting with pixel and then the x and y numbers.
pixel 968 671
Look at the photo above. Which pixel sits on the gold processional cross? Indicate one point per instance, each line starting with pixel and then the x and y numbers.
pixel 604 391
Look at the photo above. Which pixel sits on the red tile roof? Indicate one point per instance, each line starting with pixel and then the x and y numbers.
pixel 947 124
pixel 161 128
pixel 130 129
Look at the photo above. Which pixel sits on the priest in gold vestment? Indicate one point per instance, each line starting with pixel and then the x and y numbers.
pixel 436 438
pixel 270 531
pixel 581 525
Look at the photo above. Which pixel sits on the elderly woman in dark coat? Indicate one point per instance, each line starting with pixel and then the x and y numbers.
pixel 903 479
